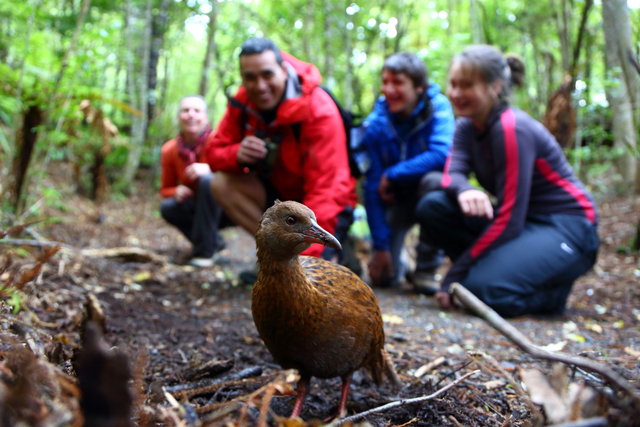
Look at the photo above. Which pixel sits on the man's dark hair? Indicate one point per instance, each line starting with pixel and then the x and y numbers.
pixel 409 64
pixel 258 45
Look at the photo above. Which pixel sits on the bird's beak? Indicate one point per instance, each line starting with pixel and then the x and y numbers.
pixel 317 234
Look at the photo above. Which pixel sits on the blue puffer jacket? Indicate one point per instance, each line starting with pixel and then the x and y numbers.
pixel 404 149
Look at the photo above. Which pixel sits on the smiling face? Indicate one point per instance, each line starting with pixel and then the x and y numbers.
pixel 399 92
pixel 263 78
pixel 470 95
pixel 192 117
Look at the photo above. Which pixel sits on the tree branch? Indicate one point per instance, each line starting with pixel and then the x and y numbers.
pixel 472 302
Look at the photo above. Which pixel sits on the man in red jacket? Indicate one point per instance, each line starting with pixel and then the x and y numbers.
pixel 281 137
pixel 186 180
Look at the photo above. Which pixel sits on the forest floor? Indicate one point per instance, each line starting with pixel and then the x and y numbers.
pixel 178 325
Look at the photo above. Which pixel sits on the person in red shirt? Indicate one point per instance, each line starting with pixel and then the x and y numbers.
pixel 186 179
pixel 281 137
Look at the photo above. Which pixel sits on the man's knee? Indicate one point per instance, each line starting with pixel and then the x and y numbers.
pixel 219 185
pixel 167 208
pixel 205 183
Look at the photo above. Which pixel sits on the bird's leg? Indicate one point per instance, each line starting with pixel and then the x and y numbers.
pixel 303 387
pixel 342 406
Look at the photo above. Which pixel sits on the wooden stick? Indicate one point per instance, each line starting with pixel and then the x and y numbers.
pixel 402 402
pixel 474 304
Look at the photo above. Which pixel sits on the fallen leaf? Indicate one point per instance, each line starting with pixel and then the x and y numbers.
pixel 592 326
pixel 493 384
pixel 576 337
pixel 142 276
pixel 543 394
pixel 557 346
pixel 392 319
pixel 632 351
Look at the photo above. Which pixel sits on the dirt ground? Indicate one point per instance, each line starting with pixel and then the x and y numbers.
pixel 169 319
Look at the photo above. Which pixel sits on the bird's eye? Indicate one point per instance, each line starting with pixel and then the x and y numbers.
pixel 290 220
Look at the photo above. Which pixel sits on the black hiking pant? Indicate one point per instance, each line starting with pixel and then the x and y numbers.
pixel 532 273
pixel 197 218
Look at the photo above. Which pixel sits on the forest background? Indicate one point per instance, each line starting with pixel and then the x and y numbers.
pixel 95 84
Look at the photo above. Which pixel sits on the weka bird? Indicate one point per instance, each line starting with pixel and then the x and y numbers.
pixel 313 315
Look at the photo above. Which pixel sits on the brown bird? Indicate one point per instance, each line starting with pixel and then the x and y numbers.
pixel 313 315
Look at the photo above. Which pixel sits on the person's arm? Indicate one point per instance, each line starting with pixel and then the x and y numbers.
pixel 168 173
pixel 223 144
pixel 328 185
pixel 513 164
pixel 438 136
pixel 458 164
pixel 380 231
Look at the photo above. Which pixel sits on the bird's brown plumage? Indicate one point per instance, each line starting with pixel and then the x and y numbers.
pixel 312 315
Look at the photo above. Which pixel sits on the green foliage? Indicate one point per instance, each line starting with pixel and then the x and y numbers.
pixel 15 302
pixel 54 198
pixel 595 165
pixel 348 42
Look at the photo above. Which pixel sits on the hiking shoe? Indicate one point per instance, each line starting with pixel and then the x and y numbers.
pixel 424 282
pixel 201 262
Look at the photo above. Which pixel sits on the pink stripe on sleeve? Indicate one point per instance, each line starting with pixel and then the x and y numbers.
pixel 554 177
pixel 512 169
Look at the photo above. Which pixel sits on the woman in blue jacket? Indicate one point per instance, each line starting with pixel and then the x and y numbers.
pixel 520 241
pixel 407 136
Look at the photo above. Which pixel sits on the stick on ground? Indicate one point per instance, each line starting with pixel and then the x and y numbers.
pixel 474 304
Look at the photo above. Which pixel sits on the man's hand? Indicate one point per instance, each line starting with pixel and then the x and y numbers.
pixel 475 203
pixel 444 300
pixel 183 193
pixel 384 190
pixel 381 268
pixel 252 150
pixel 196 170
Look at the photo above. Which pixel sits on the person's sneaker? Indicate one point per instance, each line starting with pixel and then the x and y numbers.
pixel 424 282
pixel 201 262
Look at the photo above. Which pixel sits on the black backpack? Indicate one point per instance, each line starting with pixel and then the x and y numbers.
pixel 351 123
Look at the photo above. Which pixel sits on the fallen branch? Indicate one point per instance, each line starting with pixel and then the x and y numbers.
pixel 211 385
pixel 474 304
pixel 31 242
pixel 402 402
pixel 125 254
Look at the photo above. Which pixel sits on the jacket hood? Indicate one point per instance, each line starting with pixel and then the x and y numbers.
pixel 308 74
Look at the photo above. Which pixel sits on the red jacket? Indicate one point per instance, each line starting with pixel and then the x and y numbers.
pixel 172 169
pixel 312 168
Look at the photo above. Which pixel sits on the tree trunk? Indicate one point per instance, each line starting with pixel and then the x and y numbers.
pixel 622 96
pixel 211 49
pixel 137 88
pixel 74 40
pixel 307 32
pixel 476 24
pixel 348 76
pixel 158 29
pixel 326 40
pixel 560 116
pixel 25 143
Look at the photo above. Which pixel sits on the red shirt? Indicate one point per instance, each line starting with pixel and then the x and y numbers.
pixel 172 168
pixel 312 168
